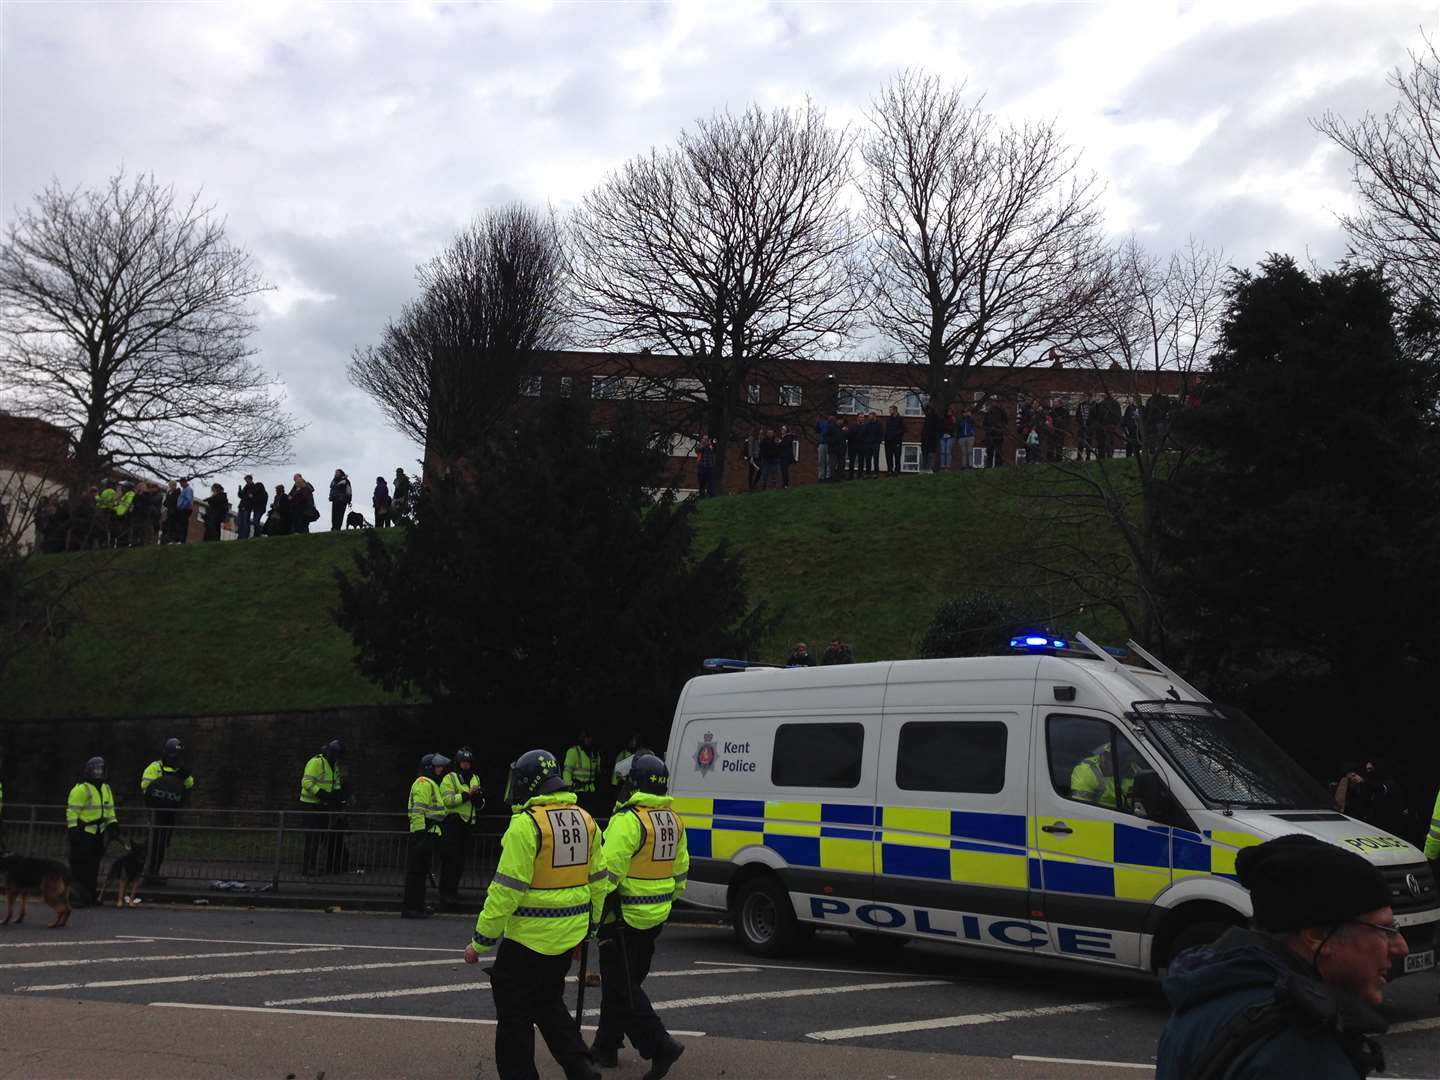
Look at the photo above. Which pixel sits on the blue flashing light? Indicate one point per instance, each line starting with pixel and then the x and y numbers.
pixel 1033 640
pixel 1038 642
pixel 721 663
pixel 1058 644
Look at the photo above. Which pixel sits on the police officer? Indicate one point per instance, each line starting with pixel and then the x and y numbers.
pixel 322 792
pixel 582 771
pixel 90 825
pixel 543 900
pixel 464 798
pixel 166 786
pixel 1432 838
pixel 427 813
pixel 646 864
pixel 1093 780
pixel 621 768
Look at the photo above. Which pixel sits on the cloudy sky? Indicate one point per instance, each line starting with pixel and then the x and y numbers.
pixel 346 142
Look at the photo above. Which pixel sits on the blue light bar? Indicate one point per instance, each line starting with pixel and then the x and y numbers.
pixel 1038 642
pixel 721 663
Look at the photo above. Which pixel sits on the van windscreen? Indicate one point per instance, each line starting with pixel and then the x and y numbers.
pixel 1226 758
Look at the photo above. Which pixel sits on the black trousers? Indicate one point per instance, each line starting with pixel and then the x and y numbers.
pixel 314 822
pixel 85 852
pixel 454 846
pixel 417 869
pixel 529 992
pixel 161 821
pixel 337 516
pixel 892 456
pixel 625 1009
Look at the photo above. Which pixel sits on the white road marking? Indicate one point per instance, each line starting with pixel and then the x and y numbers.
pixel 72 944
pixel 362 1016
pixel 795 967
pixel 1083 1061
pixel 1414 1025
pixel 156 959
pixel 452 988
pixel 270 973
pixel 775 995
pixel 312 944
pixel 960 1021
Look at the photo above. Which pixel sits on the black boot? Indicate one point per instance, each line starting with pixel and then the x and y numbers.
pixel 605 1058
pixel 666 1056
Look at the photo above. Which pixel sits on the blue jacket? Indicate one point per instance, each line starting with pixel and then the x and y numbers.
pixel 186 499
pixel 1210 986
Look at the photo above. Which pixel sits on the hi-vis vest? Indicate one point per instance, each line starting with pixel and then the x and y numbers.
pixel 90 807
pixel 662 830
pixel 546 890
pixel 426 806
pixel 319 778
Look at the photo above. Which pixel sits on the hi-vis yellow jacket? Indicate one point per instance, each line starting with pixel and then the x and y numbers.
pixel 546 892
pixel 646 858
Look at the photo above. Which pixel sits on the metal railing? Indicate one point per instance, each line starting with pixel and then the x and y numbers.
pixel 344 850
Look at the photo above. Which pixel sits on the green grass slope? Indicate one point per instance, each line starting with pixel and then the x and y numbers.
pixel 246 627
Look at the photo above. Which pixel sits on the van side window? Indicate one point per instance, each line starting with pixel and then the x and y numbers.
pixel 965 756
pixel 1092 762
pixel 818 755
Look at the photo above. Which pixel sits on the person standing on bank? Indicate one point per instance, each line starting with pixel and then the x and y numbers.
pixel 165 785
pixel 646 864
pixel 582 772
pixel 1298 993
pixel 464 798
pixel 322 793
pixel 90 823
pixel 340 499
pixel 543 901
pixel 426 806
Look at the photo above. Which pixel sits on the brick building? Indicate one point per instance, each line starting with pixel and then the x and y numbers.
pixel 815 389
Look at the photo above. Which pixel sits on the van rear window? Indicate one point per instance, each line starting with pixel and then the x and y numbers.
pixel 818 755
pixel 967 756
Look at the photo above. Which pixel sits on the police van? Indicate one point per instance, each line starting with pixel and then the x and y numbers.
pixel 1054 801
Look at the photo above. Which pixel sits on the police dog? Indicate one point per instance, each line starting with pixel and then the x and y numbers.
pixel 356 520
pixel 24 875
pixel 126 871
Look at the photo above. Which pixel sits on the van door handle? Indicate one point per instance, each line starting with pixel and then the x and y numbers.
pixel 1057 827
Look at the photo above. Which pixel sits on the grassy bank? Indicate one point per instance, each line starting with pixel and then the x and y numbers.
pixel 243 627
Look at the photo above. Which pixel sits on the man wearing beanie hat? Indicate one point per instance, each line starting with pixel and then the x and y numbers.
pixel 1297 992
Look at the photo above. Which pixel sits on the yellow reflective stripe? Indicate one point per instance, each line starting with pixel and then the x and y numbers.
pixel 791 811
pixel 916 820
pixel 838 853
pixel 1134 883
pixel 990 868
pixel 724 843
pixel 1091 841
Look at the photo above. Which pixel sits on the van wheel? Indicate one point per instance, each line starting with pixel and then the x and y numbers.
pixel 876 944
pixel 1200 933
pixel 764 921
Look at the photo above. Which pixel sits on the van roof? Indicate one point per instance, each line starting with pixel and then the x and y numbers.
pixel 865 683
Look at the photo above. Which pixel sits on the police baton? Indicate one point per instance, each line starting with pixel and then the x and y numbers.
pixel 584 970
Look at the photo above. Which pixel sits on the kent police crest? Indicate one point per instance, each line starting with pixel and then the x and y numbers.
pixel 705 754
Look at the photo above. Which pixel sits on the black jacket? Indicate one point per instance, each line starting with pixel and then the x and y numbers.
pixel 1319 1031
pixel 894 428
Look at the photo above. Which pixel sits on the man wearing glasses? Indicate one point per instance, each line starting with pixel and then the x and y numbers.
pixel 1296 994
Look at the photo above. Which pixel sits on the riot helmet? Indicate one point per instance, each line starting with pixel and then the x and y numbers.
pixel 333 751
pixel 425 763
pixel 465 758
pixel 535 772
pixel 648 773
pixel 439 765
pixel 95 770
pixel 171 751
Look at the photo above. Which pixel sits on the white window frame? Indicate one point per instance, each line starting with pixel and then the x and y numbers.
pixel 910 457
pixel 914 403
pixel 607 387
pixel 852 400
pixel 567 385
pixel 752 393
pixel 790 395
pixel 531 385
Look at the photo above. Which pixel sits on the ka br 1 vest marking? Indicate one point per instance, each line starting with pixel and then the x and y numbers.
pixel 655 858
pixel 563 859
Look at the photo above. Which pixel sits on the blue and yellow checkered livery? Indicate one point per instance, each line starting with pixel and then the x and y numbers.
pixel 1101 858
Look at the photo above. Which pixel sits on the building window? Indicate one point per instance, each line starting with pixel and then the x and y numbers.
pixel 530 386
pixel 852 400
pixel 790 395
pixel 817 755
pixel 606 386
pixel 752 393
pixel 910 457
pixel 915 402
pixel 965 756
pixel 567 385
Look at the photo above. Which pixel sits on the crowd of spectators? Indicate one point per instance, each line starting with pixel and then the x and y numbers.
pixel 134 513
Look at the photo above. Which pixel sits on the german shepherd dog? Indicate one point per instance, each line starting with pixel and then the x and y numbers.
pixel 126 870
pixel 24 875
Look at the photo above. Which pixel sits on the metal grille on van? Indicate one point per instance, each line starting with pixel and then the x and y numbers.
pixel 1412 886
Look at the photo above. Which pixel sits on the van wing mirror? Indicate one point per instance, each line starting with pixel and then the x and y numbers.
pixel 1152 798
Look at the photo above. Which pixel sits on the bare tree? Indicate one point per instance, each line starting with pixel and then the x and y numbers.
pixel 1158 318
pixel 491 304
pixel 986 242
pixel 732 251
pixel 125 317
pixel 1397 171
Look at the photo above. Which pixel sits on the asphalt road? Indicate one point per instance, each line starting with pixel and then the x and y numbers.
pixel 160 991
